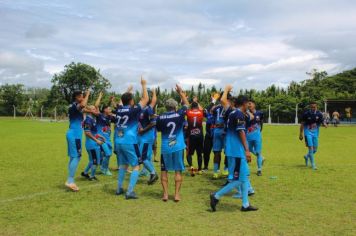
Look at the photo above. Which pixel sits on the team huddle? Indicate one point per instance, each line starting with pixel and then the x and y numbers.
pixel 232 125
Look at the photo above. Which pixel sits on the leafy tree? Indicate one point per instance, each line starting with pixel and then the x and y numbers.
pixel 11 95
pixel 78 76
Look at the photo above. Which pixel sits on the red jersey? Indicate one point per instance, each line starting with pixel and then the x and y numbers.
pixel 195 121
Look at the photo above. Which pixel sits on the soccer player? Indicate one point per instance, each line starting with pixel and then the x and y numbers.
pixel 74 135
pixel 195 117
pixel 170 124
pixel 236 149
pixel 93 141
pixel 254 136
pixel 311 121
pixel 104 120
pixel 208 138
pixel 218 140
pixel 147 137
pixel 126 139
pixel 336 118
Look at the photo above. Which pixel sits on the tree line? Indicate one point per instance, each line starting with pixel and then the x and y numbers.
pixel 79 76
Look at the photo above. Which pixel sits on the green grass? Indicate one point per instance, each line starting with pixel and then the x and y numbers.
pixel 298 202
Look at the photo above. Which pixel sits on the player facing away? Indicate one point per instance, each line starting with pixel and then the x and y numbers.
pixel 171 124
pixel 126 139
pixel 208 138
pixel 311 121
pixel 74 135
pixel 147 137
pixel 236 149
pixel 254 136
pixel 93 141
pixel 218 140
pixel 195 116
pixel 104 120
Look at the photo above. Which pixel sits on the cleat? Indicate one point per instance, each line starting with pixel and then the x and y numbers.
pixel 251 192
pixel 131 195
pixel 215 175
pixel 144 173
pixel 249 208
pixel 108 173
pixel 213 202
pixel 225 173
pixel 192 171
pixel 315 168
pixel 85 175
pixel 237 195
pixel 306 160
pixel 153 179
pixel 93 178
pixel 259 173
pixel 119 191
pixel 73 187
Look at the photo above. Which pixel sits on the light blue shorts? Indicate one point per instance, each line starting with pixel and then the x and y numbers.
pixel 255 146
pixel 146 150
pixel 74 143
pixel 238 169
pixel 128 154
pixel 94 156
pixel 173 161
pixel 218 140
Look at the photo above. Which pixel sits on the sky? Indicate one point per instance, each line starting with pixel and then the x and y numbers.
pixel 247 43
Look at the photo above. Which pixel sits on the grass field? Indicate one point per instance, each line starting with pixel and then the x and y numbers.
pixel 298 201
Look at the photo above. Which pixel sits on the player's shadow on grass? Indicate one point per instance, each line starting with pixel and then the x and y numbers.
pixel 224 206
pixel 153 194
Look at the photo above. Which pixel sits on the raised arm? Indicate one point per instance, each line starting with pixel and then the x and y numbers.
pixel 145 98
pixel 182 95
pixel 98 100
pixel 223 100
pixel 85 100
pixel 154 99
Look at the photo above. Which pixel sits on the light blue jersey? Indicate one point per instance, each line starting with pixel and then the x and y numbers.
pixel 233 144
pixel 147 117
pixel 254 127
pixel 75 117
pixel 104 126
pixel 126 128
pixel 171 125
pixel 90 125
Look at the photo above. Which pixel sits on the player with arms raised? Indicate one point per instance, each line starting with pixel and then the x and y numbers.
pixel 195 116
pixel 171 124
pixel 126 139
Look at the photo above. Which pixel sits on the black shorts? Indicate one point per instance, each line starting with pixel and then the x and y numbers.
pixel 195 143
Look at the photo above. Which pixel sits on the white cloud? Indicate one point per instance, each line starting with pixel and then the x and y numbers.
pixel 251 44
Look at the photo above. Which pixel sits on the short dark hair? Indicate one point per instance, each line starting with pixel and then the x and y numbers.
pixel 104 107
pixel 229 96
pixel 240 100
pixel 126 98
pixel 253 101
pixel 312 102
pixel 76 93
pixel 194 105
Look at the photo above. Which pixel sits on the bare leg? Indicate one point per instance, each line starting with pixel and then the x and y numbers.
pixel 178 179
pixel 164 182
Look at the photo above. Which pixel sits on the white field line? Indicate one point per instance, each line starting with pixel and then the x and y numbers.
pixel 34 195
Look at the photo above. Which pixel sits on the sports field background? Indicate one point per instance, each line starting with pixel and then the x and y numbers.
pixel 295 201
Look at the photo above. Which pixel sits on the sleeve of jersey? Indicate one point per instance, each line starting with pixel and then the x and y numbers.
pixel 240 122
pixel 87 125
pixel 136 109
